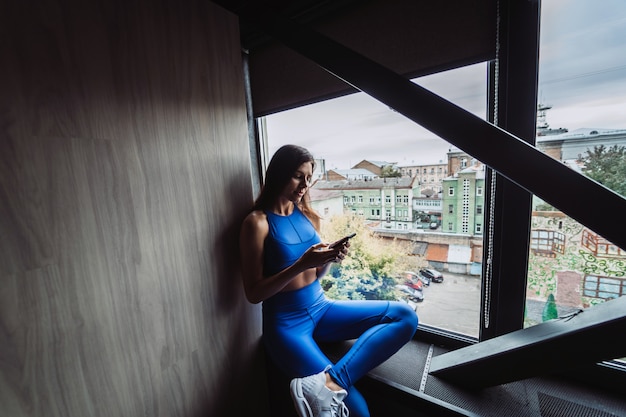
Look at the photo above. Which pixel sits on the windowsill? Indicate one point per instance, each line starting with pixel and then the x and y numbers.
pixel 401 380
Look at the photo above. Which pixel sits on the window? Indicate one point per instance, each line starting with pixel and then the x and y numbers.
pixel 479 209
pixel 575 265
pixel 605 288
pixel 393 218
pixel 547 242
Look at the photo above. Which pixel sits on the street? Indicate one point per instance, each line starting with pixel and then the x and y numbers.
pixel 452 305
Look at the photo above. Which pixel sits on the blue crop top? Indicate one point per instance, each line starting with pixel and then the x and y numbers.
pixel 289 237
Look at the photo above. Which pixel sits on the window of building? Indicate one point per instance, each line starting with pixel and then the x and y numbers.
pixel 547 242
pixel 602 287
pixel 451 191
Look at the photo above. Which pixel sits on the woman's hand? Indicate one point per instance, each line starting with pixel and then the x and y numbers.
pixel 321 254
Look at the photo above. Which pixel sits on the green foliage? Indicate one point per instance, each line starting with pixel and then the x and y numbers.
pixel 369 270
pixel 389 171
pixel 549 310
pixel 607 166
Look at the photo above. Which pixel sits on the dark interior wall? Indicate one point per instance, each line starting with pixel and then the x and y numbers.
pixel 124 174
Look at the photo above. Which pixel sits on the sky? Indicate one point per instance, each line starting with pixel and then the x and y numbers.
pixel 582 75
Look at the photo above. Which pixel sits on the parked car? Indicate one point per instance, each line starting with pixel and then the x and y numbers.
pixel 411 293
pixel 415 277
pixel 431 274
pixel 416 285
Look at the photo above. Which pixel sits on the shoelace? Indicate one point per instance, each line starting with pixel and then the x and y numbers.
pixel 338 408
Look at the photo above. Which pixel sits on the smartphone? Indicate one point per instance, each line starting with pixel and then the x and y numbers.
pixel 341 241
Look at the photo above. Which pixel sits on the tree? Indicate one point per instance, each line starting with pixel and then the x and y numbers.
pixel 389 171
pixel 607 166
pixel 549 310
pixel 372 266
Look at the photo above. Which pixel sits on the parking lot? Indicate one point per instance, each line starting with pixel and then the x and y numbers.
pixel 453 304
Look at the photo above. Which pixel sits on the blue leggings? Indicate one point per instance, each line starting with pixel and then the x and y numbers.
pixel 294 321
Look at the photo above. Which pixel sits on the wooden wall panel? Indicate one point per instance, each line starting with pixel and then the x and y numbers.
pixel 124 175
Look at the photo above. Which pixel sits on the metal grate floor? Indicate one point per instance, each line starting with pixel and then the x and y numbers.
pixel 541 396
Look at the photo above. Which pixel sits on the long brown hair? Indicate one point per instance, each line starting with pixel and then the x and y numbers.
pixel 280 170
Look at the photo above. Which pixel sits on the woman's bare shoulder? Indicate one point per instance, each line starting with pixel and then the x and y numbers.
pixel 256 219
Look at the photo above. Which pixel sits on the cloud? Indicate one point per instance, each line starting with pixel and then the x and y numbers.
pixel 582 74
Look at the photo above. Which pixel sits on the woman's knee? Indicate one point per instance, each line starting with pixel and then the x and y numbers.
pixel 406 315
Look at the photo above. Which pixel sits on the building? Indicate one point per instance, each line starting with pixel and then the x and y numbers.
pixel 569 147
pixel 326 203
pixel 376 167
pixel 463 202
pixel 384 202
pixel 431 206
pixel 430 176
pixel 357 174
pixel 459 160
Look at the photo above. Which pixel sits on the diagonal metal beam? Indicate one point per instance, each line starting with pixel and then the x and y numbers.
pixel 509 155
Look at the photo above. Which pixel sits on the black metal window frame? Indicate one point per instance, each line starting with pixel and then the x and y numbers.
pixel 505 144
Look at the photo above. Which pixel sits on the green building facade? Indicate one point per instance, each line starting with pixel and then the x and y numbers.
pixel 386 201
pixel 463 202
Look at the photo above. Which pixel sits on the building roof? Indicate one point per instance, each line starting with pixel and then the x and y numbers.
pixel 320 195
pixel 379 164
pixel 373 184
pixel 478 169
pixel 354 172
pixel 583 133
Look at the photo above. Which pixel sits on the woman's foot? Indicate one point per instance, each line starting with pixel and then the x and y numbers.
pixel 312 398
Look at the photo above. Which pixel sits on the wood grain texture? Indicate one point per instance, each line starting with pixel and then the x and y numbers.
pixel 124 175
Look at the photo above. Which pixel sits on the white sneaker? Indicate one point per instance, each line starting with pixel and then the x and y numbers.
pixel 313 399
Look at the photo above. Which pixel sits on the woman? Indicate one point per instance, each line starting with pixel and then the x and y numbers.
pixel 283 260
